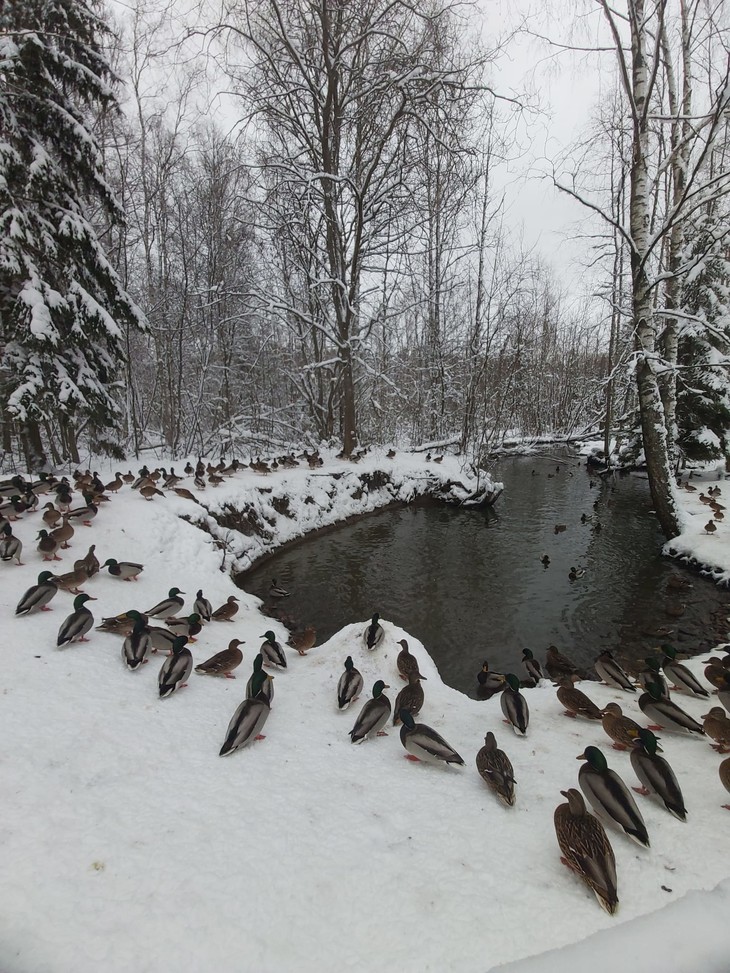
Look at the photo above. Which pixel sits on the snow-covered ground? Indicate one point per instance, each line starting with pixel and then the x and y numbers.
pixel 709 551
pixel 128 844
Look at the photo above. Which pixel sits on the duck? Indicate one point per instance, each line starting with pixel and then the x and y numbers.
pixel 608 795
pixel 411 697
pixel 489 682
pixel 350 684
pixel 374 633
pixel 656 775
pixel 406 662
pixel 559 528
pixel 51 517
pixel 495 768
pixel 11 547
pixel 185 494
pixel 86 513
pixel 611 672
pixel 664 713
pixel 723 691
pixel 114 485
pixel 621 729
pixel 675 583
pixel 189 626
pixel 268 686
pixel 558 665
pixel 303 641
pixel 717 725
pixel 202 606
pixel 72 580
pixel 724 771
pixel 586 849
pixel 47 546
pixel 223 663
pixel 576 703
pixel 652 673
pixel 373 716
pixel 226 611
pixel 514 705
pixel 137 645
pixel 90 562
pixel 276 591
pixel 532 666
pixel 162 639
pixel 545 561
pixel 683 679
pixel 424 743
pixel 126 570
pixel 168 606
pixel 38 596
pixel 77 624
pixel 63 533
pixel 575 573
pixel 149 492
pixel 249 719
pixel 273 651
pixel 715 672
pixel 121 624
pixel 176 668
pixel 710 527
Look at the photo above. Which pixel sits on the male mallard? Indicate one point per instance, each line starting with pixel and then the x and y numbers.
pixel 350 684
pixel 303 641
pixel 189 626
pixel 168 606
pixel 656 775
pixel 717 725
pixel 373 716
pixel 514 705
pixel 489 682
pixel 586 848
pixel 724 771
pixel 137 645
pixel 11 547
pixel 223 663
pixel 665 714
pixel 202 606
pixel 176 668
pixel 268 686
pixel 575 702
pixel 72 580
pixel 126 570
pixel 121 624
pixel 276 591
pixel 611 672
pixel 63 533
pixel 406 662
pixel 39 595
pixel 424 743
pixel 250 717
pixel 683 679
pixel 608 794
pixel 226 612
pixel 410 697
pixel 374 633
pixel 162 639
pixel 78 623
pixel 652 673
pixel 495 767
pixel 532 666
pixel 47 546
pixel 272 651
pixel 622 730
pixel 558 665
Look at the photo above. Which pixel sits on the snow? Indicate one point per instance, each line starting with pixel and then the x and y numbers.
pixel 710 552
pixel 128 844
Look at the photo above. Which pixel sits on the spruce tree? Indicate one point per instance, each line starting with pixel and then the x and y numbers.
pixel 63 309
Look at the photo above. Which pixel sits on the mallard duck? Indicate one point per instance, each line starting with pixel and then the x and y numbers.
pixel 137 645
pixel 250 717
pixel 656 775
pixel 51 517
pixel 715 672
pixel 514 705
pixel 202 606
pixel 424 743
pixel 149 492
pixel 223 663
pixel 710 527
pixel 575 573
pixel 724 771
pixel 185 494
pixel 190 626
pixel 11 547
pixel 586 848
pixel 545 561
pixel 410 697
pixel 575 702
pixel 621 729
pixel 121 624
pixel 39 595
pixel 126 570
pixel 560 528
pixel 608 795
pixel 489 682
pixel 683 679
pixel 47 546
pixel 63 533
pixel 723 691
pixel 85 514
pixel 168 606
pixel 373 716
pixel 114 485
pixel 494 766
pixel 78 623
pixel 664 713
pixel 276 591
pixel 272 651
pixel 350 684
pixel 532 666
pixel 162 639
pixel 406 662
pixel 652 673
pixel 303 641
pixel 72 580
pixel 176 668
pixel 268 686
pixel 717 725
pixel 611 672
pixel 558 665
pixel 90 562
pixel 374 633
pixel 226 611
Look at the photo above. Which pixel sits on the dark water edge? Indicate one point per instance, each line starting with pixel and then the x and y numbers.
pixel 470 584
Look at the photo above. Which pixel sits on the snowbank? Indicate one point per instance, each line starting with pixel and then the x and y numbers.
pixel 709 552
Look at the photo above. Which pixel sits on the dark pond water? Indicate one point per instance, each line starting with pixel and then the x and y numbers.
pixel 471 586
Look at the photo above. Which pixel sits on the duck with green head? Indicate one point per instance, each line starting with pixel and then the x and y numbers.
pixel 176 668
pixel 608 795
pixel 611 672
pixel 273 651
pixel 249 719
pixel 655 774
pixel 38 597
pixel 514 705
pixel 532 666
pixel 652 673
pixel 137 645
pixel 267 688
pixel 373 716
pixel 684 681
pixel 349 685
pixel 78 623
pixel 664 713
pixel 125 570
pixel 171 605
pixel 424 743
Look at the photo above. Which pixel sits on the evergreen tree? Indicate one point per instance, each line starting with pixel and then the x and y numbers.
pixel 63 309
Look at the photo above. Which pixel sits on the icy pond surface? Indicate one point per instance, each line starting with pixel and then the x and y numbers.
pixel 472 586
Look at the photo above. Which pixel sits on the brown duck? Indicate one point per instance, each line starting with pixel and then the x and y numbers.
pixel 577 703
pixel 226 612
pixel 303 641
pixel 223 663
pixel 410 697
pixel 406 662
pixel 717 725
pixel 621 729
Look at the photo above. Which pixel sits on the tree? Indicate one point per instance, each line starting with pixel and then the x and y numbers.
pixel 62 306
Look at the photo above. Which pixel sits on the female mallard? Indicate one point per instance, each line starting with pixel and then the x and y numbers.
pixel 514 705
pixel 223 663
pixel 532 666
pixel 608 794
pixel 489 682
pixel 586 849
pixel 410 697
pixel 656 775
pixel 72 580
pixel 39 595
pixel 350 684
pixel 424 743
pixel 226 611
pixel 303 641
pixel 268 686
pixel 621 729
pixel 272 651
pixel 665 714
pixel 717 725
pixel 78 623
pixel 63 534
pixel 406 662
pixel 724 771
pixel 189 626
pixel 575 702
pixel 176 668
pixel 684 681
pixel 202 606
pixel 11 547
pixel 47 546
pixel 85 514
pixel 51 517
pixel 168 606
pixel 611 672
pixel 249 719
pixel 373 716
pixel 495 767
pixel 137 645
pixel 558 665
pixel 715 672
pixel 126 570
pixel 374 633
pixel 90 562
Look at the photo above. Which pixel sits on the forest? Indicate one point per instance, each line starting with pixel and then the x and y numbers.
pixel 285 221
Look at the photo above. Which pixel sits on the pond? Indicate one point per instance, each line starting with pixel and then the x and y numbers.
pixel 471 585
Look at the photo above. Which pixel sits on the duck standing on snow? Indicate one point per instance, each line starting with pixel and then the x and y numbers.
pixel 683 679
pixel 273 651
pixel 406 662
pixel 189 626
pixel 373 716
pixel 38 596
pixel 268 686
pixel 374 633
pixel 621 729
pixel 303 641
pixel 137 645
pixel 11 547
pixel 494 766
pixel 717 726
pixel 47 546
pixel 410 697
pixel 249 719
pixel 226 611
pixel 86 513
pixel 168 606
pixel 724 771
pixel 350 684
pixel 608 795
pixel 90 562
pixel 532 666
pixel 611 672
pixel 78 623
pixel 424 743
pixel 126 570
pixel 489 682
pixel 652 673
pixel 664 713
pixel 176 668
pixel 514 705
pixel 575 702
pixel 586 849
pixel 202 606
pixel 223 663
pixel 558 665
pixel 656 775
